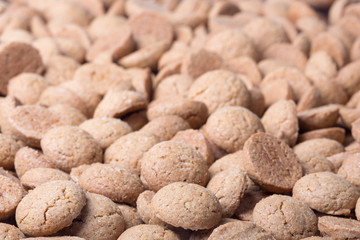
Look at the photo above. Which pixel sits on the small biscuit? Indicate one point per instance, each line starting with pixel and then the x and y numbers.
pixel 130 215
pixel 100 219
pixel 271 163
pixel 174 85
pixel 143 204
pixel 171 161
pixel 68 146
pixel 115 182
pixel 320 117
pixel 76 172
pixel 37 176
pixel 327 193
pixel 148 232
pixel 312 162
pixel 60 69
pixel 232 161
pixel 11 194
pixel 8 149
pixel 230 127
pixel 339 228
pixel 322 146
pixel 49 208
pixel 276 214
pixel 187 205
pixel 350 169
pixel 136 120
pixel 69 115
pixel 8 231
pixel 334 133
pixel 105 130
pixel 128 150
pixel 56 238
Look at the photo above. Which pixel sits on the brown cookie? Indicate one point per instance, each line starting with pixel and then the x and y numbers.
pixel 68 146
pixel 130 215
pixel 105 130
pixel 115 182
pixel 232 161
pixel 8 231
pixel 187 205
pixel 165 127
pixel 56 238
pixel 171 161
pixel 339 228
pixel 229 187
pixel 60 69
pixel 310 99
pixel 77 171
pixel 230 127
pixel 327 193
pixel 142 81
pixel 334 133
pixel 312 162
pixel 320 117
pixel 348 77
pixel 321 146
pixel 220 88
pixel 128 150
pixel 350 169
pixel 271 163
pixel 69 115
pixel 198 141
pixel 136 120
pixel 27 158
pixel 148 232
pixel 143 205
pixel 276 89
pixel 18 57
pixel 8 149
pixel 37 176
pixel 49 208
pixel 174 85
pixel 11 194
pixel 100 219
pixel 194 112
pixel 276 215
pixel 281 121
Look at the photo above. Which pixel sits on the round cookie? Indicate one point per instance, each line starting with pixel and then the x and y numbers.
pixel 148 232
pixel 106 130
pixel 37 176
pixel 100 219
pixel 8 149
pixel 143 204
pixel 327 193
pixel 129 149
pixel 136 120
pixel 339 228
pixel 67 147
pixel 312 162
pixel 10 232
pixel 11 193
pixel 56 238
pixel 165 127
pixel 230 127
pixel 69 115
pixel 232 161
pixel 49 208
pixel 169 162
pixel 130 215
pixel 194 112
pixel 285 217
pixel 229 187
pixel 322 146
pixel 115 182
pixel 350 170
pixel 27 158
pixel 76 172
pixel 219 88
pixel 271 163
pixel 240 230
pixel 197 140
pixel 187 205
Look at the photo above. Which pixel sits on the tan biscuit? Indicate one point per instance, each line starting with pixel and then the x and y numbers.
pixel 232 161
pixel 27 158
pixel 70 31
pixel 56 238
pixel 276 89
pixel 229 187
pixel 29 123
pixel 8 231
pixel 327 193
pixel 198 141
pixel 194 112
pixel 100 219
pixel 355 127
pixel 7 105
pixel 320 117
pixel 48 48
pixel 245 66
pixel 49 208
pixel 103 25
pixel 143 204
pixel 240 230
pixel 271 163
pixel 200 61
pixel 130 215
pixel 280 120
pixel 76 172
pixel 276 215
pixel 148 28
pixel 68 115
pixel 142 81
pixel 320 62
pixel 68 146
pixel 117 183
pixel 303 43
pixel 334 133
pixel 312 162
pixel 350 169
pixel 71 49
pixel 230 127
pixel 8 149
pixel 220 88
pixel 171 161
pixel 37 176
pixel 166 127
pixel 311 26
pixel 339 228
pixel 118 103
pixel 248 201
pixel 136 120
pixel 187 205
pixel 322 146
pixel 267 66
pixel 174 85
pixel 11 194
pixel 106 130
pixel 231 43
pixel 17 57
pixel 339 158
pixel 60 69
pixel 257 105
pixel 147 232
pixel 172 68
pixel 27 87
pixel 310 99
pixel 128 150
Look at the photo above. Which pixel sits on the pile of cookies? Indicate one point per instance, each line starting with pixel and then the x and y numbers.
pixel 179 119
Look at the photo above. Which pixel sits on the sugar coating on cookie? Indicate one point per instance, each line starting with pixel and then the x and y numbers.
pixel 37 176
pixel 146 231
pixel 11 194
